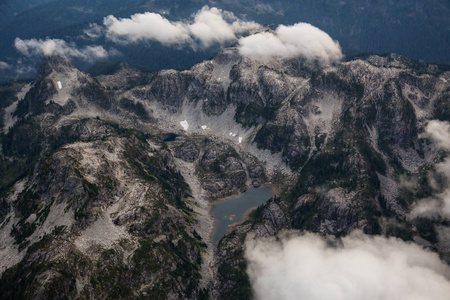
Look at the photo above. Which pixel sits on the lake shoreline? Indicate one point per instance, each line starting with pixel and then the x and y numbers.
pixel 240 207
pixel 275 191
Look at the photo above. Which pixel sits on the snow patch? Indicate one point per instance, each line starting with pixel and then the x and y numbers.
pixel 240 140
pixel 204 127
pixel 185 125
pixel 70 81
pixel 219 127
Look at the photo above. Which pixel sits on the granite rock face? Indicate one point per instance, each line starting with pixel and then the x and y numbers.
pixel 94 204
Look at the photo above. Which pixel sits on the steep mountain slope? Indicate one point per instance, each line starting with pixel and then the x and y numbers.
pixel 368 161
pixel 95 202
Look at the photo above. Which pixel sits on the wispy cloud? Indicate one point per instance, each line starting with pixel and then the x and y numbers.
pixel 355 267
pixel 439 204
pixel 299 40
pixel 4 65
pixel 209 25
pixel 439 132
pixel 49 46
pixel 23 67
pixel 94 31
pixel 264 8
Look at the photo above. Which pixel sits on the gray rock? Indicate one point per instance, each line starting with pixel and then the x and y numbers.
pixel 187 151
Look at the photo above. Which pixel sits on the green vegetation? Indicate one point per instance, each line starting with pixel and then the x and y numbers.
pixel 156 169
pixel 402 231
pixel 136 108
pixel 426 229
pixel 215 166
pixel 234 271
pixel 21 281
pixel 252 114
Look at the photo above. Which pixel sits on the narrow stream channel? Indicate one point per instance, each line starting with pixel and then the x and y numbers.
pixel 231 211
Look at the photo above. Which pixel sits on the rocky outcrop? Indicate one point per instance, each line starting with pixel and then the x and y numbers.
pixel 222 170
pixel 93 203
pixel 187 151
pixel 116 205
pixel 54 63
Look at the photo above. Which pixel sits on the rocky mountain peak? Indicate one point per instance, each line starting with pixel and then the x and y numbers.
pixel 345 143
pixel 54 62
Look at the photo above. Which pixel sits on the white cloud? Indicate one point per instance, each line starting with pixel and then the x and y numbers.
pixel 439 204
pixel 439 132
pixel 147 26
pixel 213 25
pixel 4 66
pixel 51 46
pixel 299 40
pixel 210 25
pixel 359 267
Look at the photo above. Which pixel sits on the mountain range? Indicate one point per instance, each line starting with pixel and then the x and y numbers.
pixel 96 203
pixel 407 27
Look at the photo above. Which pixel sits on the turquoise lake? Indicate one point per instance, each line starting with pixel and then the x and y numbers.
pixel 231 211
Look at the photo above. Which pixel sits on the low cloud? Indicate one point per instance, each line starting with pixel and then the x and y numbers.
pixel 355 267
pixel 4 66
pixel 299 40
pixel 215 25
pixel 439 132
pixel 48 46
pixel 94 31
pixel 147 26
pixel 439 204
pixel 209 25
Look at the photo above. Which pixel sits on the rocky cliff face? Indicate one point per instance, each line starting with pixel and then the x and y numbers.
pixel 95 204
